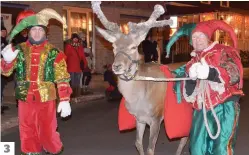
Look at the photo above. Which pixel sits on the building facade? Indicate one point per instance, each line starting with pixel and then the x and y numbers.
pixel 80 19
pixel 238 19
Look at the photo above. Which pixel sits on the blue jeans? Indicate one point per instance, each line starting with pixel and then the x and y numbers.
pixel 75 79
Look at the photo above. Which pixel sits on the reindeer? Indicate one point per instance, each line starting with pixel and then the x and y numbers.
pixel 144 99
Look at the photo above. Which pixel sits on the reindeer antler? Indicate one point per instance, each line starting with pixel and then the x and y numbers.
pixel 158 11
pixel 151 22
pixel 107 24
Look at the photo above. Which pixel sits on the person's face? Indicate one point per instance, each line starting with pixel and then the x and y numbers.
pixel 37 33
pixel 3 33
pixel 200 41
pixel 75 39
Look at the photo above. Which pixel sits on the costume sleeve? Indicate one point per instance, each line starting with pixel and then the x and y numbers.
pixel 190 86
pixel 232 64
pixel 189 90
pixel 223 68
pixel 7 68
pixel 62 77
pixel 213 75
pixel 227 69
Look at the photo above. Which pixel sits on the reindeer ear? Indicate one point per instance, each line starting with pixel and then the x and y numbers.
pixel 106 34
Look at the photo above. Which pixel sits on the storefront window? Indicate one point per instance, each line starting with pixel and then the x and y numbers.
pixel 79 20
pixel 235 21
pixel 188 19
pixel 65 31
pixel 207 16
pixel 78 23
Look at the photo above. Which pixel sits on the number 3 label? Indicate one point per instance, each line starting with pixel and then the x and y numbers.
pixel 7 148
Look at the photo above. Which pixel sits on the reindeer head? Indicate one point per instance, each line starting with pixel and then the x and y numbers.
pixel 125 46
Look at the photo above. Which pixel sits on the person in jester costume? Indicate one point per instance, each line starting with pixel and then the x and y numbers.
pixel 215 90
pixel 41 73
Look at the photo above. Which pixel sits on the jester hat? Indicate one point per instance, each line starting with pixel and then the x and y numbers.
pixel 209 27
pixel 24 14
pixel 29 19
pixel 186 30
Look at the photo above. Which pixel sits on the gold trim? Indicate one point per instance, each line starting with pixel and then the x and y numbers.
pixel 43 59
pixel 47 91
pixel 61 71
pixel 9 71
pixel 27 56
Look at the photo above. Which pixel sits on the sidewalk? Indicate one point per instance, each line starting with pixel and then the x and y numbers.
pixel 10 119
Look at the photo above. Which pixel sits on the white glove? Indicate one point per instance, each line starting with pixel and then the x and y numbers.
pixel 202 70
pixel 65 108
pixel 193 70
pixel 8 54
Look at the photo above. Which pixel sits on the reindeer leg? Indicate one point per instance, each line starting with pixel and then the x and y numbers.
pixel 154 132
pixel 139 137
pixel 181 146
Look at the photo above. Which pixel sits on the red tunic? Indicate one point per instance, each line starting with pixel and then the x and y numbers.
pixel 219 92
pixel 38 91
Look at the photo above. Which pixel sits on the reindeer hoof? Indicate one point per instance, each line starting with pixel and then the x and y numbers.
pixel 150 152
pixel 139 148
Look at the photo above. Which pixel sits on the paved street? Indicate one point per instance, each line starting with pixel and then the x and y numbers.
pixel 93 130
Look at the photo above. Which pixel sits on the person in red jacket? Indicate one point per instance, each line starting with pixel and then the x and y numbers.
pixel 76 62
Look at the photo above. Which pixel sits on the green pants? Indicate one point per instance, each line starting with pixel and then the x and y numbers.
pixel 202 144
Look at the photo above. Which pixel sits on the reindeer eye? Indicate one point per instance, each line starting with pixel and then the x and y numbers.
pixel 134 47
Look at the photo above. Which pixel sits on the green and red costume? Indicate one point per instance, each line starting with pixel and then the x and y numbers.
pixel 41 74
pixel 224 82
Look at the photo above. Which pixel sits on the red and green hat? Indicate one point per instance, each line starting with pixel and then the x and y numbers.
pixel 209 27
pixel 24 14
pixel 29 19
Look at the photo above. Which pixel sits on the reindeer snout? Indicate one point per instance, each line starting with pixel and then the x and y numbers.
pixel 117 67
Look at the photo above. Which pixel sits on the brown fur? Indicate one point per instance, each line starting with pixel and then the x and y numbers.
pixel 156 91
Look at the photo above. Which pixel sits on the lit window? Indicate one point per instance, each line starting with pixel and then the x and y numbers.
pixel 79 20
